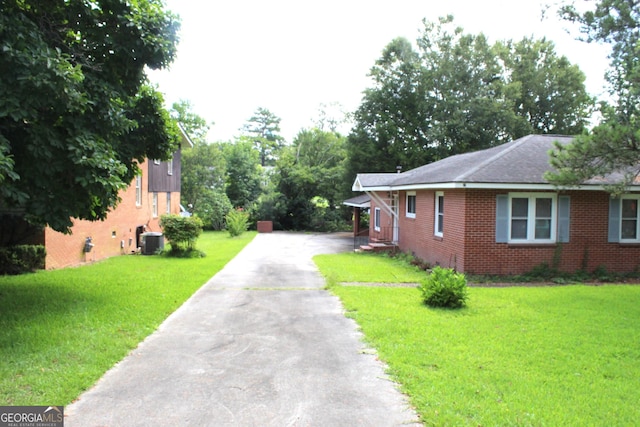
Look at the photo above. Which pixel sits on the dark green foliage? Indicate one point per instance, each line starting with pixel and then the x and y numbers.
pixel 203 184
pixel 546 91
pixel 614 144
pixel 203 177
pixel 542 271
pixel 309 177
pixel 237 222
pixel 601 273
pixel 77 114
pixel 243 173
pixel 181 232
pixel 271 204
pixel 391 125
pixel 263 130
pixel 194 125
pixel 457 93
pixel 212 208
pixel 21 259
pixel 444 287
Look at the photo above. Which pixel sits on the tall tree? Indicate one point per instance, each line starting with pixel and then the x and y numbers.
pixel 77 114
pixel 614 144
pixel 457 93
pixel 547 90
pixel 195 126
pixel 264 127
pixel 331 117
pixel 391 125
pixel 244 173
pixel 203 188
pixel 466 90
pixel 309 176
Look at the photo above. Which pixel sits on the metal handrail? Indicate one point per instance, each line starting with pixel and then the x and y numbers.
pixel 381 235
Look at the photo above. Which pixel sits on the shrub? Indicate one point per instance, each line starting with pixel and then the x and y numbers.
pixel 601 273
pixel 444 288
pixel 21 259
pixel 181 232
pixel 212 207
pixel 541 271
pixel 237 222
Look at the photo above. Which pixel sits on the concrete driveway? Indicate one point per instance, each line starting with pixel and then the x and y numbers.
pixel 261 344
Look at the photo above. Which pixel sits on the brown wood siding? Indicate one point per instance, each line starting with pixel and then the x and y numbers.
pixel 159 178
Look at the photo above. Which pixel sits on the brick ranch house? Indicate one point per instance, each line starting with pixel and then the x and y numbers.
pixel 154 192
pixel 492 212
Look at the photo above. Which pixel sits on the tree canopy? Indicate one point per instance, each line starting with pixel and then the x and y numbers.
pixel 456 92
pixel 614 144
pixel 203 179
pixel 244 173
pixel 77 114
pixel 309 174
pixel 264 127
pixel 194 125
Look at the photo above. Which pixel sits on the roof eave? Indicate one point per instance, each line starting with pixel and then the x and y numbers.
pixel 185 137
pixel 358 205
pixel 378 188
pixel 487 186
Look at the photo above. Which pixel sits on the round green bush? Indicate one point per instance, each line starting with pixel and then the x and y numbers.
pixel 444 288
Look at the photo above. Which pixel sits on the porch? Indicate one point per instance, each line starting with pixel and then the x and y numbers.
pixel 384 240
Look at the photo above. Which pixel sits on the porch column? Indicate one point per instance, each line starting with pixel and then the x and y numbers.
pixel 356 221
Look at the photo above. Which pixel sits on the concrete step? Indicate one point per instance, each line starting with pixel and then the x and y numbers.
pixel 378 247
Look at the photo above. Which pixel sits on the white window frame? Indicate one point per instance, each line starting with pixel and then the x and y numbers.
pixel 170 167
pixel 407 212
pixel 156 161
pixel 168 203
pixel 531 218
pixel 438 214
pixel 138 190
pixel 376 219
pixel 637 218
pixel 154 204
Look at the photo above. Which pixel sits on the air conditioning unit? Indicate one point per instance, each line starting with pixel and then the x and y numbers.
pixel 152 242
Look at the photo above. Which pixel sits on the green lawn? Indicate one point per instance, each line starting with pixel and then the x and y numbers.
pixel 525 356
pixel 61 330
pixel 367 267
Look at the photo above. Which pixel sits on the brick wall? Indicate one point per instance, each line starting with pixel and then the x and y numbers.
pixel 469 244
pixel 587 248
pixel 108 236
pixel 386 220
pixel 417 234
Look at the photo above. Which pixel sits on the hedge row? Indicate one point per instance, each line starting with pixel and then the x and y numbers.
pixel 21 259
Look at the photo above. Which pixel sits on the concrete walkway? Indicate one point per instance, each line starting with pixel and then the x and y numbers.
pixel 261 344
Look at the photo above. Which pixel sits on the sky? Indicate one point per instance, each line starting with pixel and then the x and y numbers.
pixel 291 57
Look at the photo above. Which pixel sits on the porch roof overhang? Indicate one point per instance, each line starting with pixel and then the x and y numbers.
pixel 363 201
